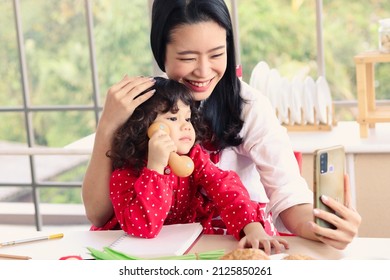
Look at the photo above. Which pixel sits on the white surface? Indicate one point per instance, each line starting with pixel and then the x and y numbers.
pixel 368 249
pixel 295 100
pixel 284 100
pixel 172 240
pixel 309 89
pixel 273 87
pixel 346 134
pixel 75 243
pixel 324 101
pixel 259 76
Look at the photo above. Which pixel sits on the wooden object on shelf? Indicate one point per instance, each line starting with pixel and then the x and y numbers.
pixel 369 114
pixel 304 126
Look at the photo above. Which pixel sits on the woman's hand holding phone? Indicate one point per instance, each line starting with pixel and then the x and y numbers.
pixel 346 223
pixel 329 170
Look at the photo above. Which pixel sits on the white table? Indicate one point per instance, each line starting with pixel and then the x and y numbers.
pixel 75 243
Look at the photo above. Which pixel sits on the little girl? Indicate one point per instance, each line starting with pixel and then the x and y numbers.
pixel 145 193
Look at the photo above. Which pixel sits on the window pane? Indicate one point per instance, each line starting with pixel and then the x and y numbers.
pixel 58 129
pixel 10 85
pixel 57 54
pixel 283 33
pixel 12 127
pixel 121 34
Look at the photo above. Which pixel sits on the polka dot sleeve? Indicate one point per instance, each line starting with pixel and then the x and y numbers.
pixel 227 192
pixel 140 204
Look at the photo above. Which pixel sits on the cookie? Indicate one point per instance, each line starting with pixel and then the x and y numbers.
pixel 246 254
pixel 297 257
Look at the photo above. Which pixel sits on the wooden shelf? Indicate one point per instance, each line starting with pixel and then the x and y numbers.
pixel 369 113
pixel 309 126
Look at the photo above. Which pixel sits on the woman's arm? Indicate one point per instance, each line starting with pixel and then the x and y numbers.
pixel 241 216
pixel 95 188
pixel 120 103
pixel 298 219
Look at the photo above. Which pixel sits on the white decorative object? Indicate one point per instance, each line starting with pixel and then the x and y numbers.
pixel 259 76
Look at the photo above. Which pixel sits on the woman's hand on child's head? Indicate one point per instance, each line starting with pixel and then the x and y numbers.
pixel 256 237
pixel 122 99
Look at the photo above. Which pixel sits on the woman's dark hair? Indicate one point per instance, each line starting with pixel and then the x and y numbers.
pixel 222 110
pixel 130 142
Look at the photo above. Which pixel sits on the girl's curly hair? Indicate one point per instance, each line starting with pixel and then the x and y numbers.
pixel 130 143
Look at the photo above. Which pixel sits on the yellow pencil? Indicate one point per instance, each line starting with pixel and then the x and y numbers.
pixel 53 236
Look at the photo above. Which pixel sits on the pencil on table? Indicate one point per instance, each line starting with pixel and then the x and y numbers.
pixel 10 243
pixel 14 257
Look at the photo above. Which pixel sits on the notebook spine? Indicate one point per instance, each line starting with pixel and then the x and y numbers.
pixel 117 241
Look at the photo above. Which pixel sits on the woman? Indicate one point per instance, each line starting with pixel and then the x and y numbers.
pixel 192 42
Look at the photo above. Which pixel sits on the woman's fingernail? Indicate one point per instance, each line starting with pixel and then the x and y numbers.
pixel 316 212
pixel 324 198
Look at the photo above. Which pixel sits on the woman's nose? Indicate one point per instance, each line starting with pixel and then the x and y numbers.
pixel 203 67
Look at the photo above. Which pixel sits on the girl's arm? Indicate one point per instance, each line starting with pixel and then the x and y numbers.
pixel 120 103
pixel 242 217
pixel 141 204
pixel 256 237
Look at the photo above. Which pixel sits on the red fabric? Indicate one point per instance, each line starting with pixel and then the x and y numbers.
pixel 298 156
pixel 142 205
pixel 239 71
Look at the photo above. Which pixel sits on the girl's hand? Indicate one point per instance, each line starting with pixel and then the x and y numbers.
pixel 347 220
pixel 256 237
pixel 159 149
pixel 122 99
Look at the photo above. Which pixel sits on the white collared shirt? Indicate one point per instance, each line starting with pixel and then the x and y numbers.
pixel 265 160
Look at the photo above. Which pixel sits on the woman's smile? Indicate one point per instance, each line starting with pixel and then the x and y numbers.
pixel 198 86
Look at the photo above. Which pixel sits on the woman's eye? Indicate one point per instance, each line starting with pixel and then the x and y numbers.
pixel 172 119
pixel 188 119
pixel 186 59
pixel 217 55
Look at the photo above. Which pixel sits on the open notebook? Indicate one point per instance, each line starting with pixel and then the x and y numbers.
pixel 173 240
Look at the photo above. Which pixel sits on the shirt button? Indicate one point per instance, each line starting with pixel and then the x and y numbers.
pixel 167 171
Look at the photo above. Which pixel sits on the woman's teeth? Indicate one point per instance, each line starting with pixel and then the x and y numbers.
pixel 198 84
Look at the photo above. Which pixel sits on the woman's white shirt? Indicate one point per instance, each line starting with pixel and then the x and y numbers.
pixel 265 160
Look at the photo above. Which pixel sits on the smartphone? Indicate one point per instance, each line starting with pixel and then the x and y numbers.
pixel 329 169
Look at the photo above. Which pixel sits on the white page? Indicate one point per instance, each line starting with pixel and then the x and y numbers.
pixel 173 240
